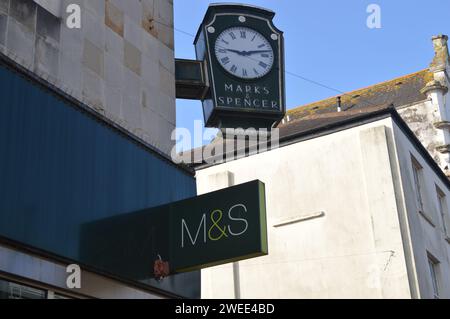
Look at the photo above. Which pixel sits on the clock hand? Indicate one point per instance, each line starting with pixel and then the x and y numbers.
pixel 247 53
pixel 236 51
pixel 255 52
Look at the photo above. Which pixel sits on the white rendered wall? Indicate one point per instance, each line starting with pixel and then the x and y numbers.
pixel 427 229
pixel 345 192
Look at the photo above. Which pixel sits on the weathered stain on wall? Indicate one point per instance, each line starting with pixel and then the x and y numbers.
pixel 148 18
pixel 114 18
pixel 421 118
pixel 441 58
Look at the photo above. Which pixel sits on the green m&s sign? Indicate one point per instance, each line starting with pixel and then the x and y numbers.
pixel 220 227
pixel 212 229
pixel 216 217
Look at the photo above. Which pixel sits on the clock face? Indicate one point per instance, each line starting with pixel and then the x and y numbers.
pixel 244 53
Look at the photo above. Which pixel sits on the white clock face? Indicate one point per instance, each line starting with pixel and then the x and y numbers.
pixel 244 52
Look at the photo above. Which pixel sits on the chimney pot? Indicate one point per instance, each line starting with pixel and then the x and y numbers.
pixel 434 86
pixel 441 55
pixel 440 37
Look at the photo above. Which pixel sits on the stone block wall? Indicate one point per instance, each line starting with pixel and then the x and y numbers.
pixel 120 63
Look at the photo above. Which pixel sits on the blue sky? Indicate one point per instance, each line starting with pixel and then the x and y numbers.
pixel 329 42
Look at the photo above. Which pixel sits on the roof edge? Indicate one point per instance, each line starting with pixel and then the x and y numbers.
pixel 358 120
pixel 10 64
pixel 352 92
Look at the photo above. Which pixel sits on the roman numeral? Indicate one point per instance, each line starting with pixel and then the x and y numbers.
pixel 261 46
pixel 233 36
pixel 244 72
pixel 254 37
pixel 264 55
pixel 256 71
pixel 243 35
pixel 233 69
pixel 225 60
pixel 225 42
pixel 263 65
pixel 222 51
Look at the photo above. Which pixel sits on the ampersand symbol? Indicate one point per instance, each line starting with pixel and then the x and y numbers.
pixel 216 225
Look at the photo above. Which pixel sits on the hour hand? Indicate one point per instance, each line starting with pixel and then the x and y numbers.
pixel 236 51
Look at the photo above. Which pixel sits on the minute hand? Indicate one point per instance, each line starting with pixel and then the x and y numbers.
pixel 255 52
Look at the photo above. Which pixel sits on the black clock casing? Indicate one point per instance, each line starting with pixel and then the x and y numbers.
pixel 234 101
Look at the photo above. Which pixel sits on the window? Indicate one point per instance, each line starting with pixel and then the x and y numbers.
pixel 433 263
pixel 443 211
pixel 15 290
pixel 52 6
pixel 418 176
pixel 9 290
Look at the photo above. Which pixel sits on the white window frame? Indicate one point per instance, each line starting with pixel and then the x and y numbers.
pixel 433 265
pixel 417 171
pixel 444 212
pixel 20 285
pixel 18 290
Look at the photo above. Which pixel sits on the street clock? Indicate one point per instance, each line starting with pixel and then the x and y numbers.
pixel 243 54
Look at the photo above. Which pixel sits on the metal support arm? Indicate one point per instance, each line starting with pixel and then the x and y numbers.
pixel 191 80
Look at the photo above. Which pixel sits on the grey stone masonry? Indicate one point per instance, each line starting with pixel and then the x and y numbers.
pixel 120 63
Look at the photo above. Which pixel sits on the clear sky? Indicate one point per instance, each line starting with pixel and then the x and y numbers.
pixel 328 41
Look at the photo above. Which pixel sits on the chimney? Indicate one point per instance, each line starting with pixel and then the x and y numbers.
pixel 339 104
pixel 436 91
pixel 441 56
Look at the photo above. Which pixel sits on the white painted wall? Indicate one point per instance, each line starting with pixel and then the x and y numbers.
pixel 426 237
pixel 359 248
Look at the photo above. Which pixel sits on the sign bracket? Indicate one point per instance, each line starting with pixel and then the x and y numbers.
pixel 190 79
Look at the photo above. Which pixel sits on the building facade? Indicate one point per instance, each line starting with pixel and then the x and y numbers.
pixel 357 196
pixel 120 61
pixel 86 115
